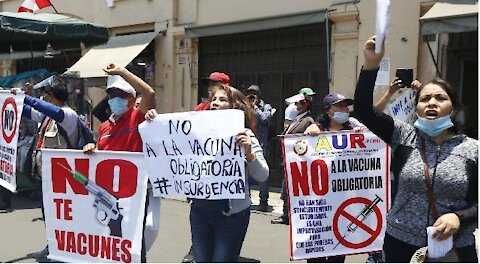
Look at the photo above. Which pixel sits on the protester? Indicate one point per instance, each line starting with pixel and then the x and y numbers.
pixel 58 126
pixel 219 227
pixel 264 113
pixel 436 169
pixel 120 131
pixel 381 104
pixel 303 102
pixel 335 117
pixel 102 111
pixel 211 83
pixel 290 113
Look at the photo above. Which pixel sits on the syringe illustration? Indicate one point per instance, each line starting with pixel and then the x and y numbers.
pixel 351 228
pixel 108 211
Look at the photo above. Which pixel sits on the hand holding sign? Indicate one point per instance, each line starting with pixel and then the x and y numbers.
pixel 244 140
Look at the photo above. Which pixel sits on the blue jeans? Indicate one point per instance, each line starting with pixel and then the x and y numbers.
pixel 217 237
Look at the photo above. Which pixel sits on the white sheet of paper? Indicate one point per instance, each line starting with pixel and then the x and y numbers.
pixel 437 248
pixel 381 23
pixel 383 75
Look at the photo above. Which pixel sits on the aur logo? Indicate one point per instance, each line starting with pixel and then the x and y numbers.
pixel 300 147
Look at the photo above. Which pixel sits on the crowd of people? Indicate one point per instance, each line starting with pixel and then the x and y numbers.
pixel 435 168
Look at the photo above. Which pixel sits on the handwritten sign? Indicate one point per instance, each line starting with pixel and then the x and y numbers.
pixel 403 108
pixel 94 205
pixel 339 193
pixel 195 155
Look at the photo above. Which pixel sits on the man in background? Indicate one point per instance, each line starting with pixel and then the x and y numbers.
pixel 264 113
pixel 210 82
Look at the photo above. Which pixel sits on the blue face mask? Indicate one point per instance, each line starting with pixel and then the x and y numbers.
pixel 433 127
pixel 118 105
pixel 340 117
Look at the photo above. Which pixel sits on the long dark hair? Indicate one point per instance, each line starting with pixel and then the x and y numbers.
pixel 241 102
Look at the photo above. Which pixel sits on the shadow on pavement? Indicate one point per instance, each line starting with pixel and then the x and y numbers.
pixel 22 201
pixel 247 260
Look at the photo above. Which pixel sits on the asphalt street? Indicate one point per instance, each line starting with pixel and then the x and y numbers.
pixel 23 232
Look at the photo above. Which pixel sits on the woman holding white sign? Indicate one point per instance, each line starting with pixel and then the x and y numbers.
pixel 435 168
pixel 218 227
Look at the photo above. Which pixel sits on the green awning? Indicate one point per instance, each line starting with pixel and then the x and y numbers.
pixel 33 31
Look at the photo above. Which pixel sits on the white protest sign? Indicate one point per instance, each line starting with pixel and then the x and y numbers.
pixel 195 155
pixel 94 205
pixel 383 75
pixel 12 106
pixel 382 23
pixel 403 108
pixel 339 193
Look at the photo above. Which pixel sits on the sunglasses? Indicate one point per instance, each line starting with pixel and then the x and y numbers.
pixel 112 94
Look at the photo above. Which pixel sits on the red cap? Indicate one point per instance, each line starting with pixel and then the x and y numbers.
pixel 217 76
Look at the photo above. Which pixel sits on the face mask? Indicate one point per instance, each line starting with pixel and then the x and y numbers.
pixel 433 127
pixel 340 117
pixel 118 105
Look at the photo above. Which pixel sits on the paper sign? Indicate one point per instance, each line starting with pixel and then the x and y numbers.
pixel 195 154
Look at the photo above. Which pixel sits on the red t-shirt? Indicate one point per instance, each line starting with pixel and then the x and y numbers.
pixel 123 134
pixel 203 106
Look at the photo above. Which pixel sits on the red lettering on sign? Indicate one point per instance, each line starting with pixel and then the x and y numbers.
pixel 299 179
pixel 106 246
pixel 115 249
pixel 104 176
pixel 126 246
pixel 319 171
pixel 127 177
pixel 60 176
pixel 60 236
pixel 357 139
pixel 81 248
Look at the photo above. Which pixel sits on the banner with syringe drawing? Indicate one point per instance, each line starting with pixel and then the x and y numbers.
pixel 338 185
pixel 94 205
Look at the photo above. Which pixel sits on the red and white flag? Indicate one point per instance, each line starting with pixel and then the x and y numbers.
pixel 33 5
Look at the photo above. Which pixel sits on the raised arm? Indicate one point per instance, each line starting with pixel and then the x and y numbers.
pixel 148 94
pixel 378 122
pixel 48 109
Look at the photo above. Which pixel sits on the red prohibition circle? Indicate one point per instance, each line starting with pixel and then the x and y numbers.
pixel 373 232
pixel 8 101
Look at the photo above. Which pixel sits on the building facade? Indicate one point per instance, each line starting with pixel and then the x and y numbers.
pixel 281 45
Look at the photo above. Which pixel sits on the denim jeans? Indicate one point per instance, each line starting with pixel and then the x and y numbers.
pixel 217 237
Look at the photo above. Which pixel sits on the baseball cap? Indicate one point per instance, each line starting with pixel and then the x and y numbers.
pixel 254 88
pixel 216 76
pixel 116 81
pixel 306 91
pixel 295 98
pixel 332 99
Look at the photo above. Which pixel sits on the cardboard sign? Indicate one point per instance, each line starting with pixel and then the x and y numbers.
pixel 403 108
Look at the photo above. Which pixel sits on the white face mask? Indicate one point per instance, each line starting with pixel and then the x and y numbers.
pixel 433 127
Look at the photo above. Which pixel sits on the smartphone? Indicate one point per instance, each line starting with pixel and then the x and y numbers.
pixel 406 75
